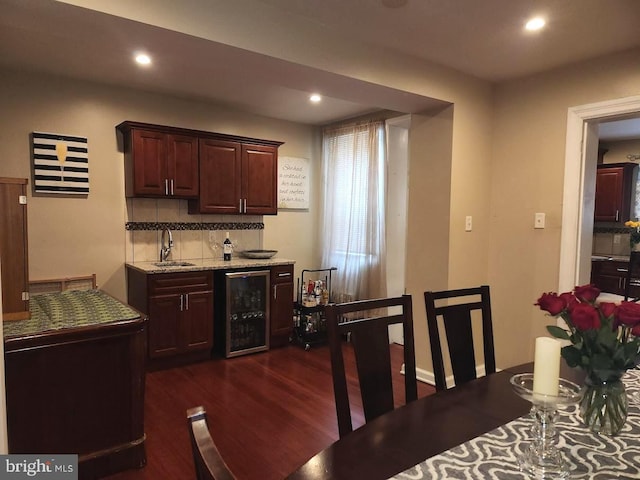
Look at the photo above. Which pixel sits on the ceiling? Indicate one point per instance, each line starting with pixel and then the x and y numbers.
pixel 242 53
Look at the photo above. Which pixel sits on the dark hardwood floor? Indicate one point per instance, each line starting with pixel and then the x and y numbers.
pixel 268 412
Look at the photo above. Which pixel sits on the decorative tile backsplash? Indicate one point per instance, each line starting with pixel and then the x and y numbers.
pixel 194 225
pixel 194 236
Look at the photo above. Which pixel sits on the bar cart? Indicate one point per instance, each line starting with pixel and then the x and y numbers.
pixel 314 292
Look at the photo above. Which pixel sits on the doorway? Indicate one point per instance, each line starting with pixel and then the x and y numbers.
pixel 579 185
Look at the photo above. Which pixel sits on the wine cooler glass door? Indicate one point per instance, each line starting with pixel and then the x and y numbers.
pixel 247 312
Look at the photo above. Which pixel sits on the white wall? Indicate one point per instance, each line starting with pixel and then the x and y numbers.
pixel 77 236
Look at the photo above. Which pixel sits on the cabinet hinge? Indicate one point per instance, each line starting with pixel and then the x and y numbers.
pixel 22 199
pixel 25 296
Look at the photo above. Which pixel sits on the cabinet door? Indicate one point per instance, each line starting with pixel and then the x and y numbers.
pixel 182 166
pixel 220 171
pixel 13 249
pixel 609 283
pixel 259 179
pixel 608 195
pixel 164 325
pixel 150 176
pixel 197 321
pixel 281 305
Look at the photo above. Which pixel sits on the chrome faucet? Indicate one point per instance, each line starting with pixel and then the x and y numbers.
pixel 165 249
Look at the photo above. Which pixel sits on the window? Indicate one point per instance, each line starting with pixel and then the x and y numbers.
pixel 353 226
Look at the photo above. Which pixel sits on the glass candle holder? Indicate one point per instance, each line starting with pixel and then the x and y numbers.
pixel 541 458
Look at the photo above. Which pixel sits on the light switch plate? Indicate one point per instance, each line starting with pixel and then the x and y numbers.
pixel 468 223
pixel 539 220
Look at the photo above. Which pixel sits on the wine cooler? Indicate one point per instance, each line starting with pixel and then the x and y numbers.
pixel 246 312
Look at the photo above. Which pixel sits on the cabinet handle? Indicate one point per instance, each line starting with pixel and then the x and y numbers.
pixel 166 186
pixel 187 301
pixel 284 274
pixel 275 292
pixel 181 302
pixel 245 206
pixel 623 270
pixel 240 205
pixel 617 215
pixel 172 186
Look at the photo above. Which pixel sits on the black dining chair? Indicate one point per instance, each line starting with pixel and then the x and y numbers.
pixel 632 281
pixel 457 320
pixel 369 337
pixel 208 462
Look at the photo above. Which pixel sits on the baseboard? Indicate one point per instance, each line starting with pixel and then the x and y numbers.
pixel 426 376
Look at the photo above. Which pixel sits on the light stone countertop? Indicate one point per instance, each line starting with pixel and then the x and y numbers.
pixel 605 258
pixel 210 264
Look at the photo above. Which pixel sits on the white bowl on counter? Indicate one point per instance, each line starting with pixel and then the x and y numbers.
pixel 258 253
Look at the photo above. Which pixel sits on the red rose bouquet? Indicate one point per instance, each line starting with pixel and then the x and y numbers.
pixel 605 342
pixel 605 337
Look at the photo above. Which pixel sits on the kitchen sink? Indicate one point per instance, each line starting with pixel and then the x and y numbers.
pixel 174 264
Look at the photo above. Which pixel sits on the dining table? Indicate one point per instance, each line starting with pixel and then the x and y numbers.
pixel 476 431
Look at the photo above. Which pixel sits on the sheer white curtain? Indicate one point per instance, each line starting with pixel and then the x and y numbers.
pixel 353 221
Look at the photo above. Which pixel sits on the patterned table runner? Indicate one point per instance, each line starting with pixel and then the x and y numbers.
pixel 69 309
pixel 493 456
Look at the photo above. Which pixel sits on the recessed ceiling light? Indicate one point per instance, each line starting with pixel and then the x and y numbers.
pixel 315 98
pixel 535 24
pixel 143 59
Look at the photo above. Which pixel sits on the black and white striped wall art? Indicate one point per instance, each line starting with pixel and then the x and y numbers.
pixel 60 163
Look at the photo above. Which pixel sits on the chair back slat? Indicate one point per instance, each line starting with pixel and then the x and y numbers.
pixel 370 339
pixel 458 326
pixel 373 361
pixel 459 333
pixel 208 462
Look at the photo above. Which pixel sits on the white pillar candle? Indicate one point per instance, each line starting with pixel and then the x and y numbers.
pixel 546 369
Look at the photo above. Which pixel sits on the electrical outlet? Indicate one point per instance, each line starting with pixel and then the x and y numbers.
pixel 539 220
pixel 468 223
pixel 616 238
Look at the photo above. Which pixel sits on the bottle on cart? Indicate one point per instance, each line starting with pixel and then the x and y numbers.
pixel 227 248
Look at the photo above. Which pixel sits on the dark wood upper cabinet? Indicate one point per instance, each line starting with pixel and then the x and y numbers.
pixel 237 178
pixel 182 165
pixel 159 164
pixel 615 187
pixel 259 180
pixel 218 173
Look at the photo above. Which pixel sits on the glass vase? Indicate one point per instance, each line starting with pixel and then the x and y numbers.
pixel 604 404
pixel 540 457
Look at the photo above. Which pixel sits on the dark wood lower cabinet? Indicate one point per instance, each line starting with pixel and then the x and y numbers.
pixel 79 391
pixel 180 309
pixel 611 276
pixel 281 305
